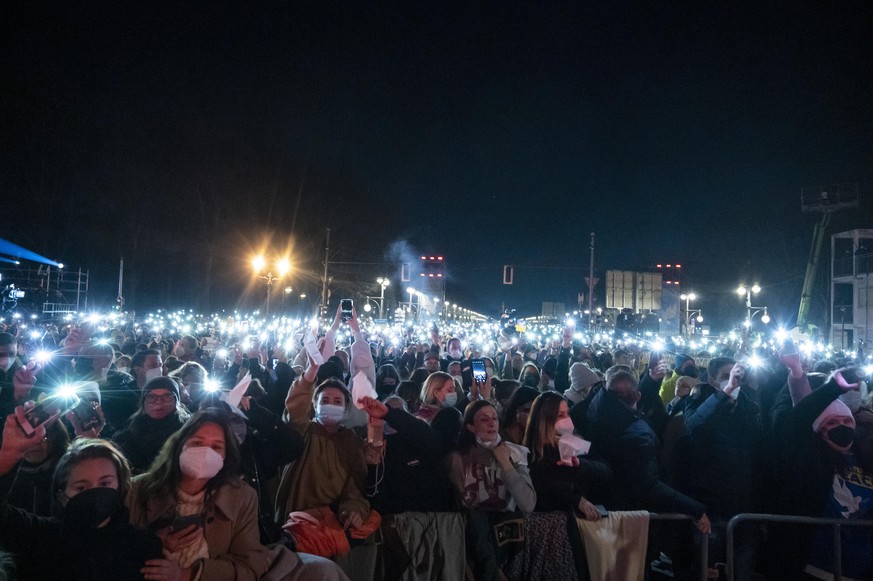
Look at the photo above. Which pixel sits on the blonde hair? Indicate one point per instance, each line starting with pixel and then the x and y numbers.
pixel 433 382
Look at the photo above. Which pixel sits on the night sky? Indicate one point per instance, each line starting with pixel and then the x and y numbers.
pixel 184 137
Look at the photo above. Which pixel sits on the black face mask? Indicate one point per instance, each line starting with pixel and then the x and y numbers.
pixel 90 508
pixel 384 390
pixel 531 381
pixel 842 436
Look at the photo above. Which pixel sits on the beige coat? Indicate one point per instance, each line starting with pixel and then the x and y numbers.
pixel 231 530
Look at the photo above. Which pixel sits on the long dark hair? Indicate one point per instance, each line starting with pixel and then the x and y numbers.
pixel 467 439
pixel 164 475
pixel 540 430
pixel 87 449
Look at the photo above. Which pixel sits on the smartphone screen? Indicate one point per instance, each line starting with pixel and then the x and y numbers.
pixel 479 373
pixel 46 412
pixel 346 309
pixel 86 413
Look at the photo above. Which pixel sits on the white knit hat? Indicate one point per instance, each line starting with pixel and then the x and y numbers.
pixel 834 410
pixel 581 377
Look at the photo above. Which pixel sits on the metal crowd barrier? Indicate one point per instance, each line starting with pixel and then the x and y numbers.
pixel 836 523
pixel 703 556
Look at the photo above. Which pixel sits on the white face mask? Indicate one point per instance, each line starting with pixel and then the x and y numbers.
pixel 551 384
pixel 200 462
pixel 123 369
pixel 489 445
pixel 455 353
pixel 179 351
pixel 564 426
pixel 153 373
pixel 6 363
pixel 104 371
pixel 326 413
pixel 451 399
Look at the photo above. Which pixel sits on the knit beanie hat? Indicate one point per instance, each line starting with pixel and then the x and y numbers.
pixel 581 377
pixel 834 410
pixel 162 382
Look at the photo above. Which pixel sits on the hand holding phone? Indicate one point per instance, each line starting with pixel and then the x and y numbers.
pixel 15 442
pixel 346 309
pixel 44 413
pixel 480 375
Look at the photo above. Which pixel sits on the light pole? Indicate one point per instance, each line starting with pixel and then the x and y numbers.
pixel 748 290
pixel 687 297
pixel 696 314
pixel 282 267
pixel 383 284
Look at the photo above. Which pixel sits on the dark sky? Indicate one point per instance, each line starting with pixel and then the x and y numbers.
pixel 185 136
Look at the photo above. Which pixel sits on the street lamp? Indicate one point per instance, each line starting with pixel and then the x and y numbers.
pixel 748 291
pixel 383 284
pixel 282 267
pixel 688 297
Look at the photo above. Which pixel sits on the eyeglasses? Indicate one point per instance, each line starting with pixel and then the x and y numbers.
pixel 163 398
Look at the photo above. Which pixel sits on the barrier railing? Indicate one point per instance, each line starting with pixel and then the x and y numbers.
pixel 703 555
pixel 836 523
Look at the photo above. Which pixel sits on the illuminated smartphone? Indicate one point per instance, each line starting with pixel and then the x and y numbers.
pixel 346 310
pixel 46 412
pixel 479 373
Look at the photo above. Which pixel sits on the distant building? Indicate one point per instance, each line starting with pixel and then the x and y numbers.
pixel 852 290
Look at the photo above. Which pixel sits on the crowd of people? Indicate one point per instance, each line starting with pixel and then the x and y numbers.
pixel 219 456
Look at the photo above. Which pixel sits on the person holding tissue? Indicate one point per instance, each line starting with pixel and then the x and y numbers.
pixel 566 474
pixel 722 423
pixel 492 478
pixel 331 470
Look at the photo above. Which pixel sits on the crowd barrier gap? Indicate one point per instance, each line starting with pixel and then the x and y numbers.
pixel 836 523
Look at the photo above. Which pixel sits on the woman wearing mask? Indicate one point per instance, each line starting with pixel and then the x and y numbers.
pixel 492 479
pixel 530 375
pixel 438 391
pixel 160 414
pixel 387 380
pixel 331 469
pixel 193 497
pixel 563 478
pixel 90 539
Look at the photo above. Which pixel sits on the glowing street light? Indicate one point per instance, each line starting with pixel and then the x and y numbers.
pixel 283 266
pixel 748 291
pixel 689 313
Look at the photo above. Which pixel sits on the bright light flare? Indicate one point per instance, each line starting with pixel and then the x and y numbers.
pixel 211 386
pixel 755 362
pixel 657 345
pixel 42 356
pixel 66 391
pixel 283 266
pixel 258 263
